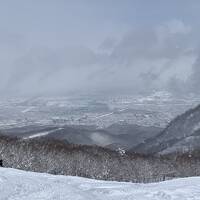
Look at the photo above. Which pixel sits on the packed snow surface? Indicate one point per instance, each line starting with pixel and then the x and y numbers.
pixel 21 185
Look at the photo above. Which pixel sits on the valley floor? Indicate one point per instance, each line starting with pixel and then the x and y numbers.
pixel 21 185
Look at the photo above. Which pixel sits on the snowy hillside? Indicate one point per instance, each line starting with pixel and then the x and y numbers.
pixel 181 135
pixel 21 185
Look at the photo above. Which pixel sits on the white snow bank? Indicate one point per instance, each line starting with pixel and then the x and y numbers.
pixel 21 185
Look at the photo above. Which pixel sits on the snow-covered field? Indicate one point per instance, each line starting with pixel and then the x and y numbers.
pixel 21 185
pixel 156 109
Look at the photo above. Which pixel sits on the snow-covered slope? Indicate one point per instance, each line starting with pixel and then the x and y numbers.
pixel 181 135
pixel 21 185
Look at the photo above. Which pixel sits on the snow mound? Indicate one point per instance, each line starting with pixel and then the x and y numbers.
pixel 21 185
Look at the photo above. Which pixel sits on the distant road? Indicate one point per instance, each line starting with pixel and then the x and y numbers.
pixel 108 114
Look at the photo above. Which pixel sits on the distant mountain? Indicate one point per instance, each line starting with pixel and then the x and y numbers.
pixel 130 135
pixel 118 135
pixel 181 135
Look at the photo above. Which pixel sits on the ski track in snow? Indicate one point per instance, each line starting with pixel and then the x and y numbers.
pixel 21 185
pixel 40 134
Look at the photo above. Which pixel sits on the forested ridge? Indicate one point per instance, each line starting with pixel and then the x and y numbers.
pixel 57 157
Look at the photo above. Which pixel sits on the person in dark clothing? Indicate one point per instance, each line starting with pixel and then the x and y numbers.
pixel 1 163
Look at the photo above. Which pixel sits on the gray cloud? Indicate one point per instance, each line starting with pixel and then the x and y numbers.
pixel 141 61
pixel 149 59
pixel 95 46
pixel 193 82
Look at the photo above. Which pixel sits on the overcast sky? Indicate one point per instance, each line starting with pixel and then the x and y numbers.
pixel 61 46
